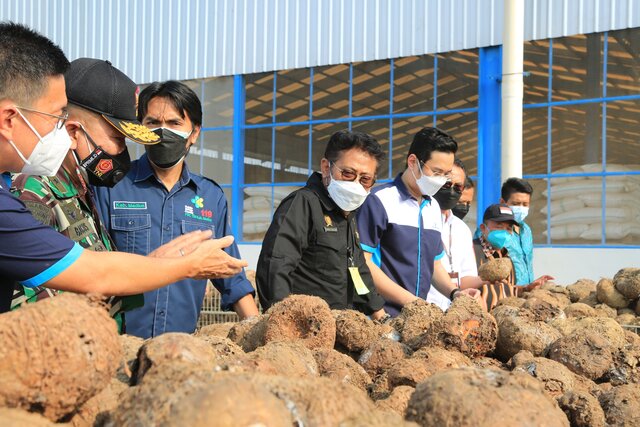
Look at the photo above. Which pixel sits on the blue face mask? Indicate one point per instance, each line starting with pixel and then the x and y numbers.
pixel 499 238
pixel 520 213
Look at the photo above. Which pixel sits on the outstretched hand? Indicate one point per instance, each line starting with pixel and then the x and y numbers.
pixel 210 261
pixel 183 245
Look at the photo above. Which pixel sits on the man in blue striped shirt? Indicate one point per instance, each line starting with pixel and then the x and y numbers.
pixel 400 224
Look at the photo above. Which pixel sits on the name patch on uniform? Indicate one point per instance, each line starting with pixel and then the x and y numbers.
pixel 129 205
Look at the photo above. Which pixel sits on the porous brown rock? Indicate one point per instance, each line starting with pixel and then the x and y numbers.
pixel 303 318
pixel 354 331
pixel 627 281
pixel 288 358
pixel 495 270
pixel 557 378
pixel 382 355
pixel 215 329
pixel 621 405
pixel 584 352
pixel 340 367
pixel 171 347
pixel 519 329
pixel 582 409
pixel 467 328
pixel 249 333
pixel 57 354
pixel 397 401
pixel 12 417
pixel 581 289
pixel 608 294
pixel 483 397
pixel 418 323
pixel 424 363
pixel 578 309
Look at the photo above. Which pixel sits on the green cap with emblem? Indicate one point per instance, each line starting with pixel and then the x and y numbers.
pixel 98 86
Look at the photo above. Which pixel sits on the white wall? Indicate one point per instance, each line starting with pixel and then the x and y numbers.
pixel 568 265
pixel 250 253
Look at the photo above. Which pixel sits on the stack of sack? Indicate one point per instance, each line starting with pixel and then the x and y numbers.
pixel 259 205
pixel 576 205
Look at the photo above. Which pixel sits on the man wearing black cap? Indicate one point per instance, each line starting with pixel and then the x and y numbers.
pixel 101 113
pixel 160 198
pixel 491 241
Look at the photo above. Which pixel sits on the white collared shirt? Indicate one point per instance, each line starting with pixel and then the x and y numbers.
pixel 459 256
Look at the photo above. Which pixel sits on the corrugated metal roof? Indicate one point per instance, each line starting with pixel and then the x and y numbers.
pixel 163 39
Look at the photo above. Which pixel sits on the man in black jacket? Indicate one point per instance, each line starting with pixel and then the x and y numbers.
pixel 312 246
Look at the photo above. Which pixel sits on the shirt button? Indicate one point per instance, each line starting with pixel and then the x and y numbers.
pixel 130 222
pixel 167 228
pixel 161 313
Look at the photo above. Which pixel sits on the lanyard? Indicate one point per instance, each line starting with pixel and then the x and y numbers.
pixel 449 252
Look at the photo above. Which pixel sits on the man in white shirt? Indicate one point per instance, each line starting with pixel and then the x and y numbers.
pixel 459 259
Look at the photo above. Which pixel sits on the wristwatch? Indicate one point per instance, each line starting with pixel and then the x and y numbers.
pixel 453 293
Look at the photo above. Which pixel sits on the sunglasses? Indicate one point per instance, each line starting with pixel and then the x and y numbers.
pixel 366 181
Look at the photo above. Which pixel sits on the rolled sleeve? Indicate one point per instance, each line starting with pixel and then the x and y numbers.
pixel 372 223
pixel 30 252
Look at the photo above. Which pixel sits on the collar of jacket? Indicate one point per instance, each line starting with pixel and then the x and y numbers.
pixel 144 171
pixel 315 184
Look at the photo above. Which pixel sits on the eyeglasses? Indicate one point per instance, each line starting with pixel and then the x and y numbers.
pixel 61 119
pixel 366 181
pixel 456 187
pixel 435 172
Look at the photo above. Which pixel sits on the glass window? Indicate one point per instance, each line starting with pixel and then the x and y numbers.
pixel 379 129
pixel 292 154
pixel 217 102
pixel 331 92
pixel 537 217
pixel 413 84
pixel 623 134
pixel 259 98
pixel 623 75
pixel 257 156
pixel 464 128
pixel 458 80
pixel 217 155
pixel 292 95
pixel 536 63
pixel 534 144
pixel 577 67
pixel 576 135
pixel 371 88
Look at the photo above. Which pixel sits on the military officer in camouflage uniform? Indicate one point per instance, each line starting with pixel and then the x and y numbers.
pixel 102 113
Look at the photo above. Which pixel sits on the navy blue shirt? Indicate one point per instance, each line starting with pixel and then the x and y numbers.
pixel 141 215
pixel 403 235
pixel 30 253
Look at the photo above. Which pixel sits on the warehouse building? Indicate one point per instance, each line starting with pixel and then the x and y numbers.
pixel 278 77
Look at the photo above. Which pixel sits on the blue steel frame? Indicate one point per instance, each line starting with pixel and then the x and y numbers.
pixel 489 144
pixel 604 99
pixel 238 184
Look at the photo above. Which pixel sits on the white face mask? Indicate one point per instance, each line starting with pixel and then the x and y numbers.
pixel 429 185
pixel 48 154
pixel 520 213
pixel 348 195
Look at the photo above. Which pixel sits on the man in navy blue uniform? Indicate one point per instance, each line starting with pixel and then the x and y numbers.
pixel 160 199
pixel 33 140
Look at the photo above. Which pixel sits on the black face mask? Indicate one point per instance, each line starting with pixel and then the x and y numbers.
pixel 460 210
pixel 447 197
pixel 169 151
pixel 103 169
